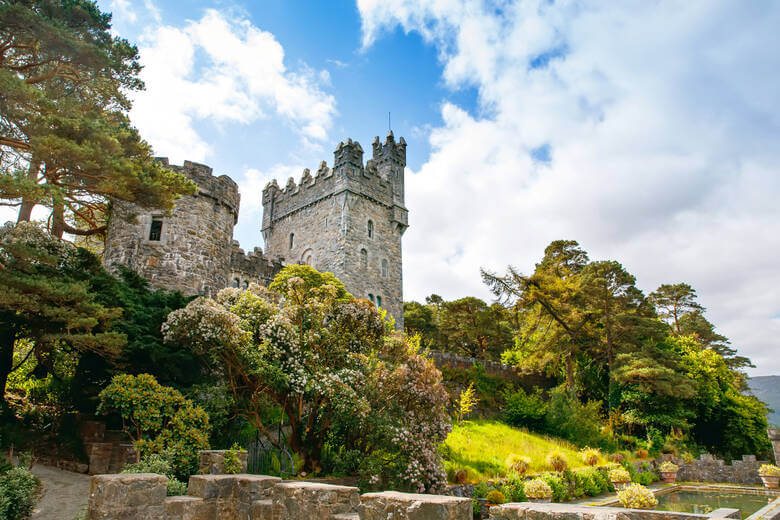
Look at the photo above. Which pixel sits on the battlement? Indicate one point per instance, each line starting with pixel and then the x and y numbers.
pixel 380 179
pixel 222 189
pixel 252 267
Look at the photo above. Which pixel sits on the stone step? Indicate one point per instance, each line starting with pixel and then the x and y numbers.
pixel 346 516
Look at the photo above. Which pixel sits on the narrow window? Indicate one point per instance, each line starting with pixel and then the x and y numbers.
pixel 155 230
pixel 384 268
pixel 292 240
pixel 371 297
pixel 236 283
pixel 370 229
pixel 246 284
pixel 378 301
pixel 363 258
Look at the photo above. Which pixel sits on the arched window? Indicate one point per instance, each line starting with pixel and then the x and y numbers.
pixel 246 284
pixel 236 283
pixel 384 268
pixel 370 228
pixel 292 240
pixel 378 301
pixel 363 258
pixel 371 297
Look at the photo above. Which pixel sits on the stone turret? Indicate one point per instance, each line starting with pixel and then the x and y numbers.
pixel 188 249
pixel 348 219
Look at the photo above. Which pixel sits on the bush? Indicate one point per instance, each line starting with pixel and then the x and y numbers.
pixel 590 456
pixel 518 464
pixel 646 478
pixel 637 496
pixel 577 422
pixel 481 490
pixel 537 488
pixel 560 489
pixel 231 463
pixel 514 489
pixel 642 453
pixel 769 470
pixel 557 461
pixel 619 476
pixel 524 409
pixel 158 464
pixel 595 481
pixel 687 457
pixel 495 497
pixel 18 493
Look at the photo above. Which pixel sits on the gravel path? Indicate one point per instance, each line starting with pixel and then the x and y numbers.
pixel 64 496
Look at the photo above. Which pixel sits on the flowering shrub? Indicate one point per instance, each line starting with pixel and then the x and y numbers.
pixel 687 457
pixel 619 476
pixel 637 496
pixel 495 497
pixel 518 464
pixel 590 456
pixel 537 488
pixel 668 467
pixel 769 470
pixel 557 461
pixel 336 370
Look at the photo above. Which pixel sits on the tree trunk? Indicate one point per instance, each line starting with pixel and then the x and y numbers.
pixel 25 211
pixel 58 219
pixel 569 372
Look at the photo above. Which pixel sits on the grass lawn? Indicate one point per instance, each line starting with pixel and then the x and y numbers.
pixel 482 448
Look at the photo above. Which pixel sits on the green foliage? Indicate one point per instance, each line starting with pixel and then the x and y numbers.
pixel 518 464
pixel 156 463
pixel 18 493
pixel 646 478
pixel 158 419
pixel 68 142
pixel 573 420
pixel 495 497
pixel 466 402
pixel 489 389
pixel 45 299
pixel 231 463
pixel 524 409
pixel 559 487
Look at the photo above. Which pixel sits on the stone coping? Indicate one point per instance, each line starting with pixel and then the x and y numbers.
pixel 692 486
pixel 555 511
pixel 770 511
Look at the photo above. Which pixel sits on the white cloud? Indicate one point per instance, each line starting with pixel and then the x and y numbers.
pixel 662 121
pixel 225 70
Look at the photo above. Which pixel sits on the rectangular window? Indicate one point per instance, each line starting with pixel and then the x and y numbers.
pixel 155 230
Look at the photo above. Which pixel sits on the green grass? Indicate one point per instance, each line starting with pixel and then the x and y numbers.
pixel 482 447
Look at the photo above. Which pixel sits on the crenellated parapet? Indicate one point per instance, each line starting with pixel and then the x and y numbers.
pixel 251 267
pixel 222 189
pixel 380 179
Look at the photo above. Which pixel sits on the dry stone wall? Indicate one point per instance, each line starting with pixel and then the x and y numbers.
pixel 709 469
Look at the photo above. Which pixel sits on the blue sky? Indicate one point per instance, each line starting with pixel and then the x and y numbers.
pixel 647 131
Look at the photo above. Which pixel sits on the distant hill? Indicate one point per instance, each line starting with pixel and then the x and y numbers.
pixel 767 388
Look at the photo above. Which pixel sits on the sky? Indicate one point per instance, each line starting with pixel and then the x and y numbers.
pixel 647 131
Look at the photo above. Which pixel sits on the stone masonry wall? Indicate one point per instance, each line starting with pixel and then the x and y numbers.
pixel 774 438
pixel 327 215
pixel 258 497
pixel 194 251
pixel 710 469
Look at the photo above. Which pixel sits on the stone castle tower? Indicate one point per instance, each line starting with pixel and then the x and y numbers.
pixel 348 220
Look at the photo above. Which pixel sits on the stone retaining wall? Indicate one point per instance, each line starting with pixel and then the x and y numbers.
pixel 774 437
pixel 534 511
pixel 258 497
pixel 710 469
pixel 493 368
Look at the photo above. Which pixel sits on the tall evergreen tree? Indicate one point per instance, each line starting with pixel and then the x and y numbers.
pixel 65 139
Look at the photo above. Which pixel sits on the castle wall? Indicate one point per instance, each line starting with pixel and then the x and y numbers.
pixel 196 241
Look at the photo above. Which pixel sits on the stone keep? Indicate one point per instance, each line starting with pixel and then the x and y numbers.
pixel 348 220
pixel 189 249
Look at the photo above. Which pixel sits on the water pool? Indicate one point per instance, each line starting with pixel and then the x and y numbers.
pixel 703 502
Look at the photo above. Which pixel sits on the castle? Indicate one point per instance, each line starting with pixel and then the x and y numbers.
pixel 348 219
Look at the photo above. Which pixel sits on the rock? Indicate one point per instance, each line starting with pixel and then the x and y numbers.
pixel 409 506
pixel 127 496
